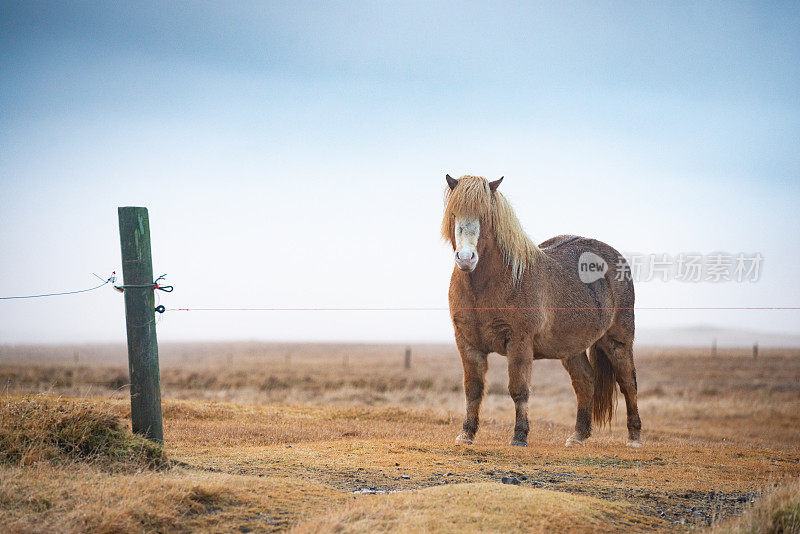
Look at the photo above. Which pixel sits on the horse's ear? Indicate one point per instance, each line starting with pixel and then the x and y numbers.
pixel 494 185
pixel 452 182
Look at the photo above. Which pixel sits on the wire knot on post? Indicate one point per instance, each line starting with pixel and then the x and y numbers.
pixel 165 289
pixel 155 285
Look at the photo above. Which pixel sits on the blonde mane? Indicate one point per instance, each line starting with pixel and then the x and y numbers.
pixel 472 197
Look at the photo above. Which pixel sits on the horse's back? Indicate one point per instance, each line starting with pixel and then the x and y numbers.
pixel 567 249
pixel 558 241
pixel 568 242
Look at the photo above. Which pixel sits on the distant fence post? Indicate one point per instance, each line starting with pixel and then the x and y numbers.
pixel 408 358
pixel 714 348
pixel 755 351
pixel 137 270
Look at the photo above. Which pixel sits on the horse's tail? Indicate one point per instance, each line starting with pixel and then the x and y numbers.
pixel 604 386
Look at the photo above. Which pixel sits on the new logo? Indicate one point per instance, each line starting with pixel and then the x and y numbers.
pixel 591 267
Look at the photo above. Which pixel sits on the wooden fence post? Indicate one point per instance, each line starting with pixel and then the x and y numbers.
pixel 137 270
pixel 408 358
pixel 755 351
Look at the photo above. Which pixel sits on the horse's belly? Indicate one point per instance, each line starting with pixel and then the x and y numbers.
pixel 559 349
pixel 571 333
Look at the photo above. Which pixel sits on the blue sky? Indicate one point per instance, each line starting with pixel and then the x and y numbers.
pixel 294 155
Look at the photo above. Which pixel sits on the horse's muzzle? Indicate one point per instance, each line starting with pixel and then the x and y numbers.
pixel 466 260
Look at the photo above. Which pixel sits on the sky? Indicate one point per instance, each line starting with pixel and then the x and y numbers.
pixel 294 154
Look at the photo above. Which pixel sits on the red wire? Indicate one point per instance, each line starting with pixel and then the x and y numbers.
pixel 501 308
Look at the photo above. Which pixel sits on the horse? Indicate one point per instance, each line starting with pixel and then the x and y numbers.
pixel 570 298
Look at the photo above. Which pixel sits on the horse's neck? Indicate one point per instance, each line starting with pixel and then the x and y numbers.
pixel 492 279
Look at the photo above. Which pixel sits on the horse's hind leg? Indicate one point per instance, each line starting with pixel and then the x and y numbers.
pixel 582 376
pixel 621 356
pixel 475 367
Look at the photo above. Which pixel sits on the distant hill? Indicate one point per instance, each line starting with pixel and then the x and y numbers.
pixel 704 335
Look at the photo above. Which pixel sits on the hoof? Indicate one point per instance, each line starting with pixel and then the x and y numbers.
pixel 635 443
pixel 518 443
pixel 463 439
pixel 574 442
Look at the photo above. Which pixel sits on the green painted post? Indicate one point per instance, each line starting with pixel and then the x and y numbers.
pixel 137 270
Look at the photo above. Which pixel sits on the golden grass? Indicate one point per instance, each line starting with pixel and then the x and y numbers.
pixel 35 429
pixel 81 498
pixel 275 437
pixel 480 507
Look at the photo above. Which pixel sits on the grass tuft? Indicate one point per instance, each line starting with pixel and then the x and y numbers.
pixel 778 512
pixel 35 429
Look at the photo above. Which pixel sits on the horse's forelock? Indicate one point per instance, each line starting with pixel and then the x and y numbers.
pixel 470 198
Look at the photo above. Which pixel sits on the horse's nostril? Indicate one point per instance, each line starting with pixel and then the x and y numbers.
pixel 472 257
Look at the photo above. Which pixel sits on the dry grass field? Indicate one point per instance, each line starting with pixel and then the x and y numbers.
pixel 341 438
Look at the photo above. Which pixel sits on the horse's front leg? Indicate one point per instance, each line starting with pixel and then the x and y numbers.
pixel 520 365
pixel 475 367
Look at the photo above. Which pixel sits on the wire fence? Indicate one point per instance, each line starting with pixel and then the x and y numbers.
pixel 157 285
pixel 110 280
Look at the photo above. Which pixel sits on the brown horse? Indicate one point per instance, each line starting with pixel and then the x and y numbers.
pixel 557 300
